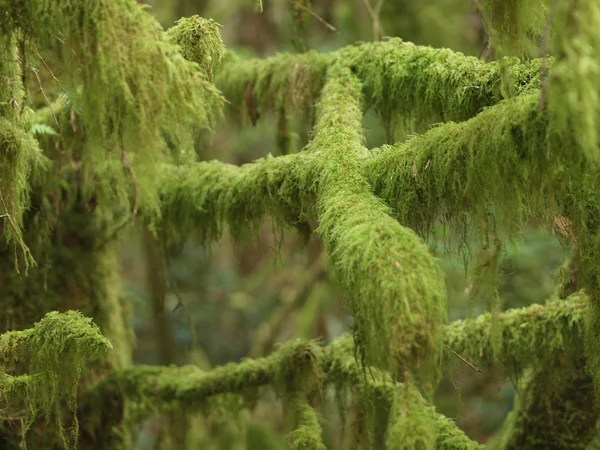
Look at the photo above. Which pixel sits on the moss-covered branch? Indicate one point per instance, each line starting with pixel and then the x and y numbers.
pixel 532 336
pixel 188 388
pixel 201 198
pixel 393 285
pixel 55 351
pixel 398 79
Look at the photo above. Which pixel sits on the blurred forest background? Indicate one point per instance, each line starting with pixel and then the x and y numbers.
pixel 210 306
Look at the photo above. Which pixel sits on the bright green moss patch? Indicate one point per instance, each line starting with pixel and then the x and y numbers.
pixel 56 350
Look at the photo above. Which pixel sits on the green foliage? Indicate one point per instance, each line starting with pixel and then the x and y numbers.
pixel 521 149
pixel 137 91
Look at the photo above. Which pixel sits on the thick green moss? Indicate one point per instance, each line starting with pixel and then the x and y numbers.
pixel 306 434
pixel 56 349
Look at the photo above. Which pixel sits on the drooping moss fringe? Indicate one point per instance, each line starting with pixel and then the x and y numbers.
pixel 56 350
pixel 394 287
pixel 398 79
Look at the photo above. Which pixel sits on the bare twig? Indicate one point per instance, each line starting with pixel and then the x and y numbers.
pixel 476 369
pixel 45 64
pixel 34 70
pixel 316 16
pixel 378 32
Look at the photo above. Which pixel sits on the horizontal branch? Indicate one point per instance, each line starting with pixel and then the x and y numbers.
pixel 522 337
pixel 155 388
pixel 397 78
pixel 529 336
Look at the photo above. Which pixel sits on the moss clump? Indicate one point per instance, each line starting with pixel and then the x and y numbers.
pixel 200 41
pixel 57 350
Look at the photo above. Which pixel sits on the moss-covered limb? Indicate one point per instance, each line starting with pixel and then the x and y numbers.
pixel 534 335
pixel 56 350
pixel 189 387
pixel 394 287
pixel 201 198
pixel 398 78
pixel 555 408
pixel 402 80
pixel 306 434
pixel 501 167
